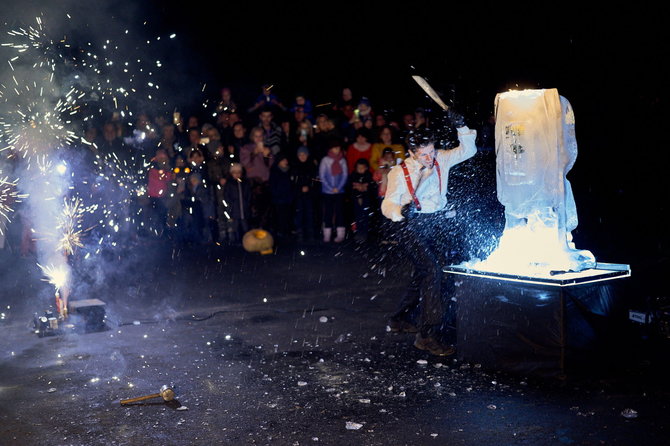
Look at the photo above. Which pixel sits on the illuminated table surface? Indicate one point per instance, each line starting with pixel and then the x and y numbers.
pixel 602 271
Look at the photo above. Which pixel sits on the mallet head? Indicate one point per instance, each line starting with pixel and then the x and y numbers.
pixel 167 393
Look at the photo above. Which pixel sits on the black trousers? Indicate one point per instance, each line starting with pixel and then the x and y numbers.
pixel 425 239
pixel 333 210
pixel 304 215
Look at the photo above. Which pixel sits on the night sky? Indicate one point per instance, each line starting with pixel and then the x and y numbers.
pixel 468 52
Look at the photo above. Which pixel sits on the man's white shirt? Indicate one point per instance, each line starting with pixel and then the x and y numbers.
pixel 430 187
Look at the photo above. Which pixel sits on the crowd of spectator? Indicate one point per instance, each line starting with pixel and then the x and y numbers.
pixel 297 171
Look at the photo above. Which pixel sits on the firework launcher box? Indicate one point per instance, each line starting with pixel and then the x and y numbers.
pixel 86 315
pixel 47 324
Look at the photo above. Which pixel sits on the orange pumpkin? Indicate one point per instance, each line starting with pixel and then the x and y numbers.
pixel 258 240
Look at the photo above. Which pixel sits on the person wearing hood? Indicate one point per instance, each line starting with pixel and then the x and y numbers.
pixel 416 201
pixel 281 190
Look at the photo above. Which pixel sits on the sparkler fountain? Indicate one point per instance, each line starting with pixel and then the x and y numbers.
pixel 55 86
pixel 33 132
pixel 531 304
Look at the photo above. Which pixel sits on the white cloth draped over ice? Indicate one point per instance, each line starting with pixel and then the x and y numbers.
pixel 431 196
pixel 535 149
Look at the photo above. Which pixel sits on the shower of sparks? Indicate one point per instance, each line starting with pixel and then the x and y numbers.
pixel 110 75
pixel 35 39
pixel 120 181
pixel 8 196
pixel 69 224
pixel 55 275
pixel 33 122
pixel 44 164
pixel 58 84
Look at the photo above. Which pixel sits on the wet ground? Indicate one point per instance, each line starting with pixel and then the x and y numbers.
pixel 285 349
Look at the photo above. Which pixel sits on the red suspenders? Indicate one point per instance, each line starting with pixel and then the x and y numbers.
pixel 410 187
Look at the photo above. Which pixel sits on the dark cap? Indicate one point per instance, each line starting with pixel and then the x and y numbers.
pixel 334 142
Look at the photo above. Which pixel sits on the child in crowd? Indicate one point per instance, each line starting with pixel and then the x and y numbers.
pixel 282 195
pixel 303 175
pixel 361 190
pixel 237 197
pixel 333 174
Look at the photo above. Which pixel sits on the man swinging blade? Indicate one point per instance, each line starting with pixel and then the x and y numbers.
pixel 416 201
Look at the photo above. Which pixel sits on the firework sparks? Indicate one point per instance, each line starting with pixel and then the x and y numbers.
pixel 69 223
pixel 35 39
pixel 33 121
pixel 8 196
pixel 119 181
pixel 44 164
pixel 59 82
pixel 56 275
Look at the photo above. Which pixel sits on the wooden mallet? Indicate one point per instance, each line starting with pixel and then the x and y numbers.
pixel 167 393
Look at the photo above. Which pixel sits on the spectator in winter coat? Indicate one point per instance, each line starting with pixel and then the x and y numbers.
pixel 158 187
pixel 361 193
pixel 282 195
pixel 380 175
pixel 218 168
pixel 325 132
pixel 360 148
pixel 197 210
pixel 273 134
pixel 257 158
pixel 386 139
pixel 237 197
pixel 236 141
pixel 333 175
pixel 303 175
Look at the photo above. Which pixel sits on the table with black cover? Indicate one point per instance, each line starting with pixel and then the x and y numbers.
pixel 542 325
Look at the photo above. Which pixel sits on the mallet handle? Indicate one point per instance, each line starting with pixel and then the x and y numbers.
pixel 141 398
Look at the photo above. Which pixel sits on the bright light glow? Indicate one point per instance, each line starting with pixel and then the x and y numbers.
pixel 56 275
pixel 535 249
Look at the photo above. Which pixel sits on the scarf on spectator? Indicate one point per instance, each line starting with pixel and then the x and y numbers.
pixel 336 168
